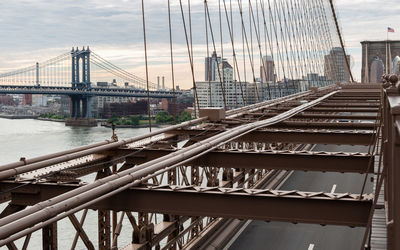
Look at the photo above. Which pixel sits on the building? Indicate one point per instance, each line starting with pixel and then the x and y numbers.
pixel 255 92
pixel 385 51
pixel 27 99
pixel 39 100
pixel 396 65
pixel 316 80
pixel 226 72
pixel 125 109
pixel 65 107
pixel 101 101
pixel 211 64
pixel 376 70
pixel 267 75
pixel 335 66
pixel 6 100
pixel 210 94
pixel 180 103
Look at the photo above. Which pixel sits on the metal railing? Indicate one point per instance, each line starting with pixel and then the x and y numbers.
pixel 391 159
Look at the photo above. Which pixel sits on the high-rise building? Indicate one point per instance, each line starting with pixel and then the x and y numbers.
pixel 385 50
pixel 335 66
pixel 396 65
pixel 211 64
pixel 377 69
pixel 226 72
pixel 267 74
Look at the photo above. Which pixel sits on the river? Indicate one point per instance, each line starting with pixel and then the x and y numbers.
pixel 29 138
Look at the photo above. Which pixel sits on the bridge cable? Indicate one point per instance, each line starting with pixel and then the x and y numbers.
pixel 234 67
pixel 267 38
pixel 331 68
pixel 233 51
pixel 284 39
pixel 248 48
pixel 122 71
pixel 278 48
pixel 259 43
pixel 327 36
pixel 191 62
pixel 218 63
pixel 147 70
pixel 289 30
pixel 128 75
pixel 209 60
pixel 340 39
pixel 172 62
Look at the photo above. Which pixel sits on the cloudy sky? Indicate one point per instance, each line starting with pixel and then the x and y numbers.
pixel 36 30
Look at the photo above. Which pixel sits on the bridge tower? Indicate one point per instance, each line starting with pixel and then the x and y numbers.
pixel 80 104
pixel 78 56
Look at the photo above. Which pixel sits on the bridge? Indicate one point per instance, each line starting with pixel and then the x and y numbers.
pixel 225 177
pixel 70 74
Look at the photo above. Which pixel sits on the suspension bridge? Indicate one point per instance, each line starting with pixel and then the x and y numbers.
pixel 70 74
pixel 323 159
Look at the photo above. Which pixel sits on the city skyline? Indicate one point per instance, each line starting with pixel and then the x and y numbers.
pixel 54 31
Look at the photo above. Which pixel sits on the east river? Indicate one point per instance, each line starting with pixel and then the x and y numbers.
pixel 29 138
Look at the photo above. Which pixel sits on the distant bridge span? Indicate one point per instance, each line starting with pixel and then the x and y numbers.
pixel 117 92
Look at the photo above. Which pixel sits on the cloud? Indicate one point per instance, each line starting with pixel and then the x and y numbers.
pixel 36 30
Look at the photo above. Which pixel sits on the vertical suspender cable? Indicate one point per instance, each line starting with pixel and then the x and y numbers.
pixel 147 71
pixel 191 61
pixel 215 48
pixel 340 39
pixel 234 67
pixel 234 53
pixel 209 62
pixel 172 62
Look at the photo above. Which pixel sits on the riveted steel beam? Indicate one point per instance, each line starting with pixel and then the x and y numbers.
pixel 286 160
pixel 256 204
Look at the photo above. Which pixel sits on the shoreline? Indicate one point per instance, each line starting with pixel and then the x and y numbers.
pixel 101 121
pixel 108 125
pixel 14 117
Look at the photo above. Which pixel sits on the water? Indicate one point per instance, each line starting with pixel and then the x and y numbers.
pixel 30 138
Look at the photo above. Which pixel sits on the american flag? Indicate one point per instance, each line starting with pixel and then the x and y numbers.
pixel 390 29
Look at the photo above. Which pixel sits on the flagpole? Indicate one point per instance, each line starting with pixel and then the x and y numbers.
pixel 386 57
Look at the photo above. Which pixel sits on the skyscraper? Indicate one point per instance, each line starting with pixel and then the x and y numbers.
pixel 211 64
pixel 267 75
pixel 335 66
pixel 226 72
pixel 377 69
pixel 396 65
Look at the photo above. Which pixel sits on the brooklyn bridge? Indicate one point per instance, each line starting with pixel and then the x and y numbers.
pixel 302 158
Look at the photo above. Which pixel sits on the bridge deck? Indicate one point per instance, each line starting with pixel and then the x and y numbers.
pixel 219 166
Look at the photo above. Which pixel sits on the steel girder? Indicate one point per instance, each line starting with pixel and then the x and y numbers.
pixel 257 204
pixel 286 160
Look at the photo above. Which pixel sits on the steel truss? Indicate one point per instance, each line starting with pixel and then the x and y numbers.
pixel 179 184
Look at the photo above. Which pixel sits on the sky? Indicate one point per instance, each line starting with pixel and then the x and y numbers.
pixel 37 30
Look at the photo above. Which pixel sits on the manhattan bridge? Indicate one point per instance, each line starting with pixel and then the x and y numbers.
pixel 282 172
